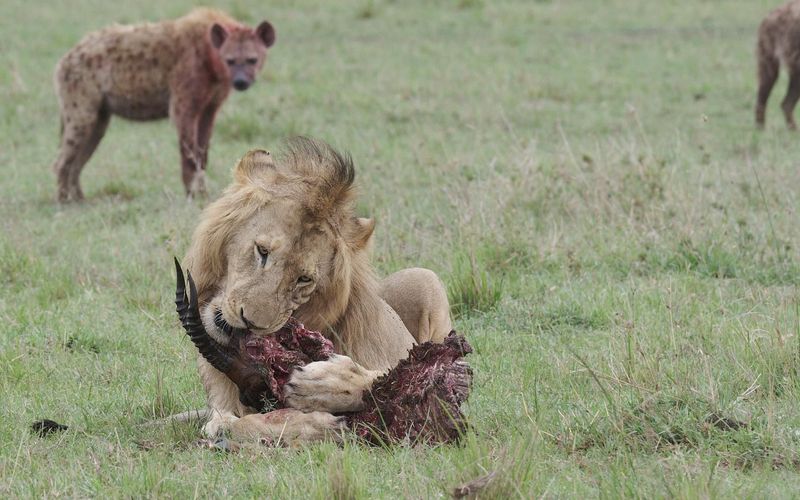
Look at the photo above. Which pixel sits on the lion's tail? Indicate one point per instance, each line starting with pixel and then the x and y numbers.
pixel 186 416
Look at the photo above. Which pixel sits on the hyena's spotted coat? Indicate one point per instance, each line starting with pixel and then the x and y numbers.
pixel 182 69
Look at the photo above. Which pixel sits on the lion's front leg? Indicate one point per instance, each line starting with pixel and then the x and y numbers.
pixel 218 423
pixel 336 385
pixel 288 427
pixel 223 399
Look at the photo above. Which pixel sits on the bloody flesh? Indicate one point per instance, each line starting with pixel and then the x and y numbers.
pixel 278 354
pixel 419 400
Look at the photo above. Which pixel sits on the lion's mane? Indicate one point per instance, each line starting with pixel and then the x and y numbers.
pixel 347 305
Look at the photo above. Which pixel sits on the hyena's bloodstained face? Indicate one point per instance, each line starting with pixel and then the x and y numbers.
pixel 243 51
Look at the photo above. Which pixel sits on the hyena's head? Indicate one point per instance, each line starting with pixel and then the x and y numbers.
pixel 242 50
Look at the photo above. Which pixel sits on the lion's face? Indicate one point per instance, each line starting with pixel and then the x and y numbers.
pixel 287 233
pixel 275 263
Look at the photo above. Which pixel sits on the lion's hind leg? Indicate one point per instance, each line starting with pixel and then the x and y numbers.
pixel 420 299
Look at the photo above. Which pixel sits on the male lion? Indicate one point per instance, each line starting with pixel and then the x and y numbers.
pixel 281 242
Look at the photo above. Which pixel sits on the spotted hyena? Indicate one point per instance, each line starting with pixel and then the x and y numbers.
pixel 182 69
pixel 779 43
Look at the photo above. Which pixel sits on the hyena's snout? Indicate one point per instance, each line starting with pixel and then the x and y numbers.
pixel 241 84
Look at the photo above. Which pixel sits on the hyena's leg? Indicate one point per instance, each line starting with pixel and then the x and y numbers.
pixel 95 136
pixel 81 132
pixel 792 95
pixel 192 167
pixel 768 68
pixel 204 128
pixel 185 112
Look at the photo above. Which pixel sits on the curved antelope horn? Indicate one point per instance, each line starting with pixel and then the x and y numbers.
pixel 181 301
pixel 189 314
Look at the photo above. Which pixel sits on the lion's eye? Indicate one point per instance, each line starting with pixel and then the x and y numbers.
pixel 263 253
pixel 230 62
pixel 304 279
pixel 251 60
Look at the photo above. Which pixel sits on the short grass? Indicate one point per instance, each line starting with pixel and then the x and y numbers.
pixel 621 245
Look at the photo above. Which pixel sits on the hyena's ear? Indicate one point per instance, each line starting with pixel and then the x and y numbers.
pixel 218 35
pixel 360 233
pixel 266 33
pixel 257 166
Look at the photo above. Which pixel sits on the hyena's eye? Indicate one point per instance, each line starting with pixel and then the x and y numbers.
pixel 231 62
pixel 251 60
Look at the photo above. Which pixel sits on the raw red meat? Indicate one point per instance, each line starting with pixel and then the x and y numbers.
pixel 419 400
pixel 277 355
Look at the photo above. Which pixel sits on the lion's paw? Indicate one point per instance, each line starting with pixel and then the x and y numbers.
pixel 335 385
pixel 218 425
pixel 288 427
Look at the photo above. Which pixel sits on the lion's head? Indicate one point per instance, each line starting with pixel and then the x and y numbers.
pixel 282 241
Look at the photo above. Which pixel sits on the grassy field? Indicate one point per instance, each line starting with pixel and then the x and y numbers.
pixel 620 244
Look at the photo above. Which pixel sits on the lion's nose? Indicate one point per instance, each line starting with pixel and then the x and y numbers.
pixel 246 321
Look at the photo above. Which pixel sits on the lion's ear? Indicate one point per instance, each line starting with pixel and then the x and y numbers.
pixel 361 232
pixel 257 163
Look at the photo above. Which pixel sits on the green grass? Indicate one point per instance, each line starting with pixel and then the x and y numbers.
pixel 472 288
pixel 585 177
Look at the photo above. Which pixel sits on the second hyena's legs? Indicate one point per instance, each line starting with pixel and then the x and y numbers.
pixel 81 133
pixel 768 67
pixel 792 96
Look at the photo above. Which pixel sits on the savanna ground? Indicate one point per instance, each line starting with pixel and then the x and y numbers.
pixel 620 245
